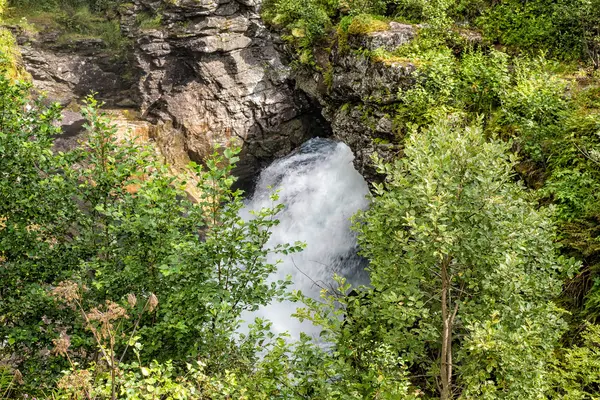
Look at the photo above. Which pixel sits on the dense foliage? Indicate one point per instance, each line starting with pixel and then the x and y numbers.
pixel 482 239
pixel 566 29
pixel 111 218
pixel 116 285
pixel 530 80
pixel 452 238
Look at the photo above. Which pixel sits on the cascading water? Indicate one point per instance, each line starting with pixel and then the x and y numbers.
pixel 321 191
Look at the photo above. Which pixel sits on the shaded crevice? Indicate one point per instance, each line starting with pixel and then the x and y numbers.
pixel 250 165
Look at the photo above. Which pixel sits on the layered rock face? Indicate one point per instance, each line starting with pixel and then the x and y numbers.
pixel 68 71
pixel 360 92
pixel 208 72
pixel 211 74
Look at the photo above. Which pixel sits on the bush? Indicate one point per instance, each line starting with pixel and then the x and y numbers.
pixel 534 106
pixel 304 21
pixel 77 20
pixel 577 369
pixel 10 57
pixel 455 284
pixel 484 78
pixel 566 29
pixel 110 217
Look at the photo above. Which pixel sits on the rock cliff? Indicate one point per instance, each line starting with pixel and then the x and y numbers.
pixel 66 71
pixel 357 92
pixel 210 73
pixel 205 73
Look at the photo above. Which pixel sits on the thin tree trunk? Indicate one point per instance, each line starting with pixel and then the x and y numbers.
pixel 448 320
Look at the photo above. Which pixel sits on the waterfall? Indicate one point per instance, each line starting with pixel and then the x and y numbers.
pixel 320 190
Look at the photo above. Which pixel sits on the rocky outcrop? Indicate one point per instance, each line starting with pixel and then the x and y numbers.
pixel 67 70
pixel 207 72
pixel 358 93
pixel 204 72
pixel 389 40
pixel 210 73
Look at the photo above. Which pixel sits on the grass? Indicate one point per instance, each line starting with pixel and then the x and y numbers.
pixel 359 24
pixel 366 23
pixel 31 20
pixel 148 21
pixel 72 23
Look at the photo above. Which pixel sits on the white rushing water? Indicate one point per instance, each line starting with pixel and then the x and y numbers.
pixel 321 191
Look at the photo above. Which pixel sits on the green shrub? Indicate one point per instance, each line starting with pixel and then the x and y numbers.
pixel 111 217
pixel 566 29
pixel 534 106
pixel 525 25
pixel 449 236
pixel 9 380
pixel 355 7
pixel 304 22
pixel 78 20
pixel 483 80
pixel 10 57
pixel 110 32
pixel 411 10
pixel 465 12
pixel 577 369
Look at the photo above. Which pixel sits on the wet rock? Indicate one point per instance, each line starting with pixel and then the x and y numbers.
pixel 72 125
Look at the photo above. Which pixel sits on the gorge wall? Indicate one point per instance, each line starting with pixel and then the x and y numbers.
pixel 357 92
pixel 212 73
pixel 209 72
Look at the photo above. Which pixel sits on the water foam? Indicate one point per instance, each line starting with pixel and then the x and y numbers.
pixel 321 191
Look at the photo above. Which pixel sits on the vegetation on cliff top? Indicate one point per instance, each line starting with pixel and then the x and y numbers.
pixel 10 64
pixel 72 20
pixel 564 29
pixel 532 78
